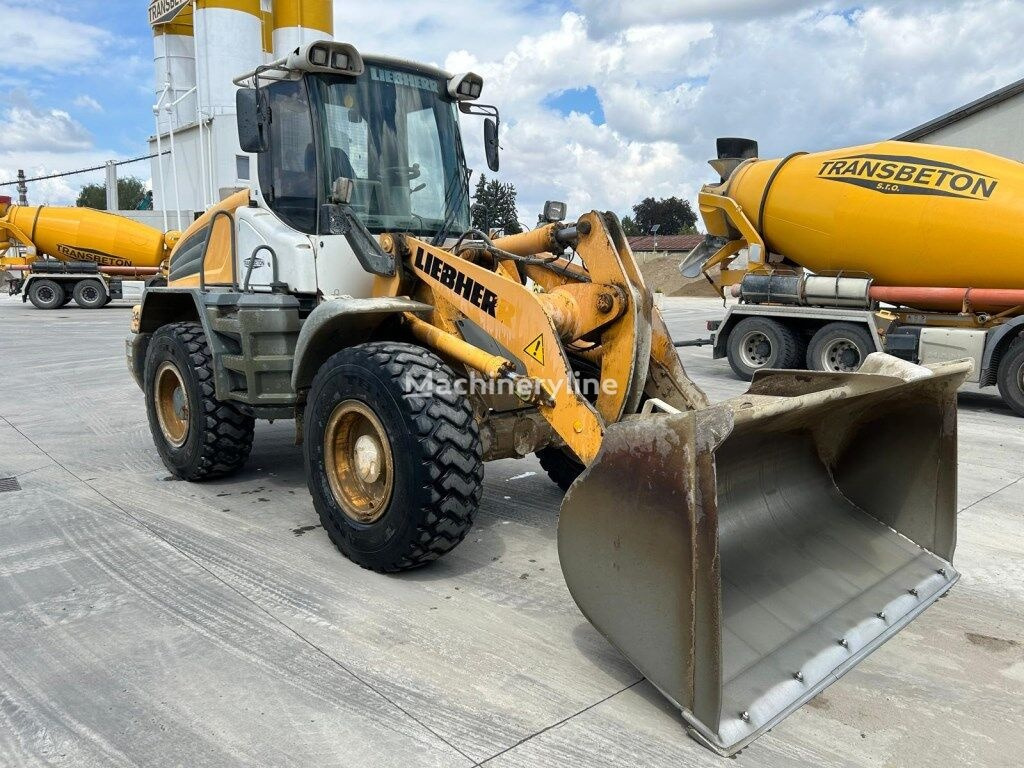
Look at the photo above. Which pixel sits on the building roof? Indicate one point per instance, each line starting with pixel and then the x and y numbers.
pixel 669 243
pixel 958 114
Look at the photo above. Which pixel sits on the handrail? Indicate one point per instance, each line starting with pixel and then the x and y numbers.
pixel 206 247
pixel 252 262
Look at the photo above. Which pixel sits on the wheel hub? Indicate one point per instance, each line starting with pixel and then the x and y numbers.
pixel 172 406
pixel 359 461
pixel 757 349
pixel 842 356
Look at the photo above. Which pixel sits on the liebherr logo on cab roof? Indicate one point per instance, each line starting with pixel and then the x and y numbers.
pixel 893 175
pixel 96 257
pixel 456 281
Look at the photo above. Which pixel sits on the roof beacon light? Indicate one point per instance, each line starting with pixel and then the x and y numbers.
pixel 467 87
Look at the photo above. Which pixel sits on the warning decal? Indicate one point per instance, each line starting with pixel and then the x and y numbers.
pixel 535 349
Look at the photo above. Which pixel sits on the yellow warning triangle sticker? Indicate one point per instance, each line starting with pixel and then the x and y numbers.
pixel 535 349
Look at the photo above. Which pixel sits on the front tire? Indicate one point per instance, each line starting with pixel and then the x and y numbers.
pixel 198 437
pixel 46 294
pixel 393 455
pixel 1011 376
pixel 757 343
pixel 89 294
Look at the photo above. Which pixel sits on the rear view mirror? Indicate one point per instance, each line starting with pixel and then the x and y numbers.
pixel 253 120
pixel 491 144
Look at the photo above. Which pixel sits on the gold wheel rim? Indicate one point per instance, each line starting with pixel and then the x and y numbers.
pixel 359 462
pixel 172 406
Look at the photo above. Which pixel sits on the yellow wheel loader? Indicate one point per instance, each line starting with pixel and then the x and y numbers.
pixel 742 555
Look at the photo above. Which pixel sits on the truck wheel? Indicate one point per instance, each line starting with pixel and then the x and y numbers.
pixel 46 294
pixel 758 342
pixel 1011 377
pixel 839 348
pixel 89 294
pixel 198 437
pixel 393 455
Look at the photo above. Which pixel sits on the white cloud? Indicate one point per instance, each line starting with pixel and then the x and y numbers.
pixel 27 128
pixel 674 76
pixel 60 191
pixel 88 103
pixel 34 39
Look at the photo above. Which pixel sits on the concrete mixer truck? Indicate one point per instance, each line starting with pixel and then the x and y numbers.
pixel 909 249
pixel 53 255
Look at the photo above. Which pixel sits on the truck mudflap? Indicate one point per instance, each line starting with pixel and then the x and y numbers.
pixel 745 556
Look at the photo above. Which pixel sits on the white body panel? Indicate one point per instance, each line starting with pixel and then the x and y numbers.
pixel 339 272
pixel 941 345
pixel 296 258
pixel 174 62
pixel 307 264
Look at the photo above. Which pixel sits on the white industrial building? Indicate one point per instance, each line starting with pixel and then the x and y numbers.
pixel 199 47
pixel 993 123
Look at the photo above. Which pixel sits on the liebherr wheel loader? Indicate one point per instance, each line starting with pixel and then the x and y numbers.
pixel 742 555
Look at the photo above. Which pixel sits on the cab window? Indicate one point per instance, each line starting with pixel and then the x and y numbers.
pixel 289 180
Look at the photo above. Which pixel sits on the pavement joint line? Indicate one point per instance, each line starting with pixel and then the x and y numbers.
pixel 989 496
pixel 564 720
pixel 139 521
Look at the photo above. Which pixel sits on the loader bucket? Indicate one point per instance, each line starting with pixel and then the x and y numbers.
pixel 745 556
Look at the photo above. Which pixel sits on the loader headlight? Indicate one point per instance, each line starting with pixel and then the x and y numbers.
pixel 325 56
pixel 466 87
pixel 318 56
pixel 554 211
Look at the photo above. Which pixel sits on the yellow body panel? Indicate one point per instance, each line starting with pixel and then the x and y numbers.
pixel 218 263
pixel 906 214
pixel 84 234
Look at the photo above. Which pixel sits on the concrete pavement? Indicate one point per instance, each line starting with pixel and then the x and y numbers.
pixel 145 621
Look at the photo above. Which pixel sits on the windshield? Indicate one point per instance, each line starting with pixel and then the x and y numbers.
pixel 393 134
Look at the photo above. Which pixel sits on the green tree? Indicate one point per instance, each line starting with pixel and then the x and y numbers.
pixel 675 216
pixel 494 206
pixel 629 227
pixel 130 192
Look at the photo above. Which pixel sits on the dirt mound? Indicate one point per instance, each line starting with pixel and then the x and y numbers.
pixel 662 275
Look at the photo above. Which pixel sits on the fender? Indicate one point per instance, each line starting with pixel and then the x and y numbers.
pixel 996 343
pixel 340 323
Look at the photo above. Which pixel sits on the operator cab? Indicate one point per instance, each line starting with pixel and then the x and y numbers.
pixel 377 136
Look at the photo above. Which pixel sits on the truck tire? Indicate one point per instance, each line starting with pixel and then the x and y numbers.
pixel 839 348
pixel 394 467
pixel 89 294
pixel 197 436
pixel 1010 376
pixel 759 342
pixel 46 294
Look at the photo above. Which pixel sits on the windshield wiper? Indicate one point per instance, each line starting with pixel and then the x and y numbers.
pixel 453 211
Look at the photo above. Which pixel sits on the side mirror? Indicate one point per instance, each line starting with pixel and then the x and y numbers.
pixel 253 122
pixel 491 144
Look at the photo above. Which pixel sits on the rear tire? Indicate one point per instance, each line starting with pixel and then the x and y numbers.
pixel 757 343
pixel 198 437
pixel 46 294
pixel 839 348
pixel 1011 377
pixel 395 471
pixel 89 294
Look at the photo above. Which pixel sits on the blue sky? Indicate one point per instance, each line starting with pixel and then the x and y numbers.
pixel 613 99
